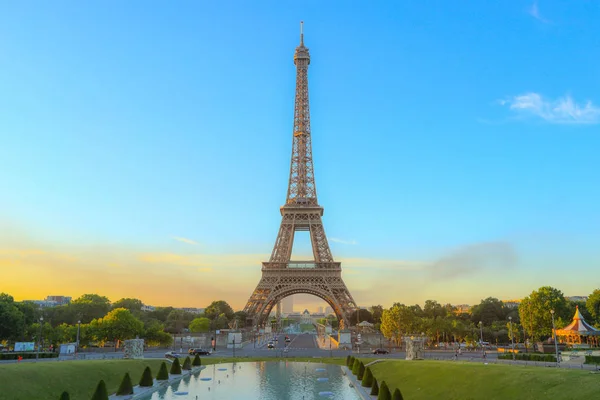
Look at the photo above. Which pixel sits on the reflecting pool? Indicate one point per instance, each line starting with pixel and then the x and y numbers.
pixel 262 380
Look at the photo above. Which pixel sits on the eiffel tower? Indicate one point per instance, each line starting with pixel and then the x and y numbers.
pixel 282 277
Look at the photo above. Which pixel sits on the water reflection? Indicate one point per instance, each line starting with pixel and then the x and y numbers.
pixel 264 381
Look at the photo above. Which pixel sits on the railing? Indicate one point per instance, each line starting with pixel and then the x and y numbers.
pixel 301 265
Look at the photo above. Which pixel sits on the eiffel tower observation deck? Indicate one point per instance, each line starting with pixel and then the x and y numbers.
pixel 281 276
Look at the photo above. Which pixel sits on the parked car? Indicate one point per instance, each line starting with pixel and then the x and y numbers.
pixel 380 351
pixel 172 355
pixel 200 352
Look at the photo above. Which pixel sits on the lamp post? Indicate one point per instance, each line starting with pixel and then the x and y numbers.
pixel 481 334
pixel 512 342
pixel 234 347
pixel 554 334
pixel 37 354
pixel 78 327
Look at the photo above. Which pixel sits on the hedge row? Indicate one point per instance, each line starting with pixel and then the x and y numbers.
pixel 528 357
pixel 14 356
pixel 592 359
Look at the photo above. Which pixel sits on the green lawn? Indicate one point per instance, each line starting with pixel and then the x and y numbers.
pixel 47 380
pixel 464 381
pixel 307 328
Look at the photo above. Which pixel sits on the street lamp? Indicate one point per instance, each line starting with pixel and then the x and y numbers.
pixel 512 342
pixel 37 354
pixel 554 334
pixel 78 326
pixel 481 334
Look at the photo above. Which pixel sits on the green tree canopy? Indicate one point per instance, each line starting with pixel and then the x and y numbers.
pixel 120 324
pixel 593 305
pixel 12 320
pixel 376 312
pixel 364 315
pixel 89 307
pixel 133 305
pixel 216 308
pixel 535 312
pixel 200 325
pixel 488 311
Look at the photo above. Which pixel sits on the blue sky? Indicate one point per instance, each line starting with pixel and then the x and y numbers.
pixel 453 143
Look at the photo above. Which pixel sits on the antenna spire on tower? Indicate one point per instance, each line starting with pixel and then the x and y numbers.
pixel 301 33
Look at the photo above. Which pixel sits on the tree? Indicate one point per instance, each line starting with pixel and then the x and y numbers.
pixel 65 396
pixel 154 334
pixel 216 308
pixel 367 380
pixel 488 311
pixel 363 315
pixel 240 317
pixel 433 309
pixel 163 373
pixel 222 322
pixel 200 325
pixel 397 395
pixel 377 312
pixel 119 324
pixel 12 320
pixel 197 362
pixel 348 358
pixel 535 315
pixel 146 379
pixel 100 393
pixel 133 305
pixel 399 320
pixel 126 387
pixel 89 307
pixel 177 320
pixel 187 364
pixel 384 392
pixel 374 387
pixel 593 305
pixel 355 366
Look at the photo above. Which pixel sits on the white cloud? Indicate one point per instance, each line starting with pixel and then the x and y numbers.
pixel 534 11
pixel 563 110
pixel 336 240
pixel 185 240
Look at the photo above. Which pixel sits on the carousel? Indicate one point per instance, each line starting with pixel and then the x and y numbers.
pixel 579 332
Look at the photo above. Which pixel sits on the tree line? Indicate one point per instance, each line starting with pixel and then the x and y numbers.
pixel 99 321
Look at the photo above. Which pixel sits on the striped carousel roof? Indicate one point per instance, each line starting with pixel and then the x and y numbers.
pixel 578 326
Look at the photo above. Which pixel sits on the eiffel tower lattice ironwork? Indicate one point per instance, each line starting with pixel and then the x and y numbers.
pixel 282 277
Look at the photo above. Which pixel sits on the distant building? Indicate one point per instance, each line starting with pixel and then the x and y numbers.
pixel 287 305
pixel 577 298
pixel 192 310
pixel 148 308
pixel 51 301
pixel 320 310
pixel 511 303
pixel 328 310
pixel 462 309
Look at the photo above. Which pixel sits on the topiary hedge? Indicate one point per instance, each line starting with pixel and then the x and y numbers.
pixel 28 355
pixel 384 392
pixel 100 393
pixel 187 364
pixel 175 367
pixel 163 373
pixel 528 357
pixel 592 359
pixel 355 366
pixel 374 387
pixel 397 395
pixel 367 380
pixel 65 396
pixel 197 362
pixel 126 387
pixel 348 359
pixel 146 379
pixel 361 372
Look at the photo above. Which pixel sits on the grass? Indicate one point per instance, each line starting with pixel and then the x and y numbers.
pixel 47 380
pixel 471 381
pixel 307 327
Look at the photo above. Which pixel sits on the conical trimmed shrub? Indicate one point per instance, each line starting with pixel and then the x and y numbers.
pixel 187 364
pixel 348 359
pixel 163 373
pixel 197 362
pixel 397 395
pixel 175 367
pixel 65 396
pixel 100 393
pixel 126 387
pixel 367 380
pixel 384 392
pixel 374 387
pixel 146 379
pixel 356 366
pixel 361 372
